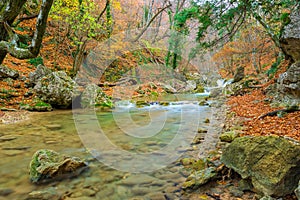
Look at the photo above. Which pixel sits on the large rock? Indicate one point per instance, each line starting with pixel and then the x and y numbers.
pixel 57 89
pixel 40 72
pixel 94 96
pixel 290 38
pixel 47 165
pixel 288 84
pixel 6 72
pixel 271 163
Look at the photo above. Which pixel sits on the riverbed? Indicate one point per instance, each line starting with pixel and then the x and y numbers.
pixel 148 143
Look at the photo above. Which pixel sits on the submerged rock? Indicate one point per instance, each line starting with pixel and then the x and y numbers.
pixel 47 194
pixel 272 164
pixel 199 178
pixel 47 165
pixel 142 104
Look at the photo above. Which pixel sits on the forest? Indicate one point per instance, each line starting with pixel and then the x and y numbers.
pixel 150 99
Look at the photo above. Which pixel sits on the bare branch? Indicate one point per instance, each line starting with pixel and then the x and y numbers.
pixel 149 23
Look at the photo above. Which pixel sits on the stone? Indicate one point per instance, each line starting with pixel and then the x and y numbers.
pixel 53 127
pixel 47 194
pixel 271 163
pixel 5 191
pixel 187 161
pixel 297 191
pixel 38 107
pixel 203 103
pixel 156 196
pixel 236 192
pixel 141 104
pixel 40 72
pixel 267 198
pixel 6 72
pixel 138 179
pixel 202 130
pixel 7 138
pixel 199 178
pixel 198 138
pixel 47 165
pixel 239 74
pixel 93 96
pixel 228 136
pixel 288 83
pixel 290 37
pixel 57 89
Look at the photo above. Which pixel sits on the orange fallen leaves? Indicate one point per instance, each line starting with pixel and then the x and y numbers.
pixel 252 105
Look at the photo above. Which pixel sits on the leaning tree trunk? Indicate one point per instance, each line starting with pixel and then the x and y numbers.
pixel 9 10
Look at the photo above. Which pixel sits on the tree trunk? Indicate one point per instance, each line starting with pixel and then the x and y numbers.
pixel 9 10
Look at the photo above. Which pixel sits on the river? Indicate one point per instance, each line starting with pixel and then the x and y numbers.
pixel 154 138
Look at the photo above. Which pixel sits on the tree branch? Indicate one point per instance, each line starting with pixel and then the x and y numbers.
pixel 149 23
pixel 33 50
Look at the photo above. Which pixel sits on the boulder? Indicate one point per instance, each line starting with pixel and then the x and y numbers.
pixel 94 96
pixel 47 165
pixel 290 38
pixel 288 83
pixel 57 89
pixel 239 74
pixel 6 72
pixel 39 73
pixel 271 163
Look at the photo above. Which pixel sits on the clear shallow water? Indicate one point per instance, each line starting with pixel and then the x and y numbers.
pixel 56 130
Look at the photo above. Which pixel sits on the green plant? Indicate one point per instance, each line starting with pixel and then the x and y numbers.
pixel 36 61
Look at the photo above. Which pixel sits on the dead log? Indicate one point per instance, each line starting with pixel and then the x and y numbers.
pixel 275 112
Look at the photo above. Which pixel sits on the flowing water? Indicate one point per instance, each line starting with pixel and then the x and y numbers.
pixel 58 131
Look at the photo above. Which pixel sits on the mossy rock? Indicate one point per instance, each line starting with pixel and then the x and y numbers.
pixel 47 165
pixel 228 136
pixel 199 89
pixel 164 103
pixel 271 163
pixel 39 107
pixel 141 103
pixel 203 103
pixel 199 178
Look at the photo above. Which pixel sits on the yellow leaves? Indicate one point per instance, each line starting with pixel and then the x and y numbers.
pixel 116 5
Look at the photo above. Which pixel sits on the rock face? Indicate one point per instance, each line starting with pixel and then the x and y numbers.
pixel 290 39
pixel 57 89
pixel 35 76
pixel 288 83
pixel 271 163
pixel 47 165
pixel 6 72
